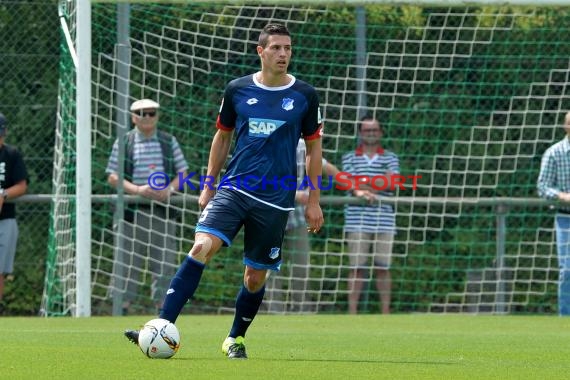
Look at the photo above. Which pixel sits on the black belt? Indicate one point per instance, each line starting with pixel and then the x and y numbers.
pixel 562 211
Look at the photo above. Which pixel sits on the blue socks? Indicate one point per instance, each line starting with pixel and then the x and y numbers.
pixel 247 305
pixel 182 287
pixel 185 283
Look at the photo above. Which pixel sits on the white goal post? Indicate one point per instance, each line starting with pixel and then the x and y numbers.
pixel 83 170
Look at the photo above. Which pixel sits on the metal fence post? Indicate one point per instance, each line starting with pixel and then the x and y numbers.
pixel 501 210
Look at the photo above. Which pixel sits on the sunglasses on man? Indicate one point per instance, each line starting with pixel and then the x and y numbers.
pixel 143 113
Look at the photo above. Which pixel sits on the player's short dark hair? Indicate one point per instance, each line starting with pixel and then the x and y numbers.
pixel 368 117
pixel 272 30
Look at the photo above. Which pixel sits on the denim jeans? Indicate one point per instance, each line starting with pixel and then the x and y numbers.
pixel 562 225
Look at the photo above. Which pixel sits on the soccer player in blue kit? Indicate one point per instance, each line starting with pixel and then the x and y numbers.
pixel 268 111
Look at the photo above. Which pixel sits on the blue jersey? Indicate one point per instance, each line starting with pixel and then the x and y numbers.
pixel 268 122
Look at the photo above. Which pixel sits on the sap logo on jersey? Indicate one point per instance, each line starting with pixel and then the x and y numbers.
pixel 263 127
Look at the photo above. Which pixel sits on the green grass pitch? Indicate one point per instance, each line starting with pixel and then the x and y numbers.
pixel 413 346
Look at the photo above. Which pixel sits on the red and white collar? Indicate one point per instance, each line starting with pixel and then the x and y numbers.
pixel 360 151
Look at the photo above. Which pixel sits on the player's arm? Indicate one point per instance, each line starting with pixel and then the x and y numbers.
pixel 314 168
pixel 301 197
pixel 218 155
pixel 314 162
pixel 219 152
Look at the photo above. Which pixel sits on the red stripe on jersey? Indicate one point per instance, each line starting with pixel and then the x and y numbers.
pixel 317 135
pixel 219 125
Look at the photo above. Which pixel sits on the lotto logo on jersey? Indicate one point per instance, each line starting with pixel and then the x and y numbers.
pixel 263 127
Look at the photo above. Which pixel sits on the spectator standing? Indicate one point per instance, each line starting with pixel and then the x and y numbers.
pixel 149 229
pixel 13 184
pixel 370 229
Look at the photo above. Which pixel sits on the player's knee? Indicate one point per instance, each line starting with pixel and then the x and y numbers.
pixel 202 249
pixel 254 280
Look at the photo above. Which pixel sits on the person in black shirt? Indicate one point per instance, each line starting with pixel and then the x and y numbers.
pixel 13 183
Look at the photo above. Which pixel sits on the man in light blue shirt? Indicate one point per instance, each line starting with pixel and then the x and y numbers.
pixel 554 184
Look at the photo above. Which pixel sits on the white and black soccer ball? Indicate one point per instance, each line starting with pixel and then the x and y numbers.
pixel 159 339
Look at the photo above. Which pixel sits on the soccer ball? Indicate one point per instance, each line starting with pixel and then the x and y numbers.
pixel 159 339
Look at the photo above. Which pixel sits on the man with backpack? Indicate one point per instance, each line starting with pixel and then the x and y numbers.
pixel 149 226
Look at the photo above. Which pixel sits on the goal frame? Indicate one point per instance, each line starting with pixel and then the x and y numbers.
pixel 83 192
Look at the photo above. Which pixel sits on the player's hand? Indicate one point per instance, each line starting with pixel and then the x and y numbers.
pixel 205 196
pixel 314 217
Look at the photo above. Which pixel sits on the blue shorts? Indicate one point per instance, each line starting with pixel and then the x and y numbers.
pixel 264 226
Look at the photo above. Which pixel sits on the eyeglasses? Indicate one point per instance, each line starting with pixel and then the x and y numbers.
pixel 369 130
pixel 146 113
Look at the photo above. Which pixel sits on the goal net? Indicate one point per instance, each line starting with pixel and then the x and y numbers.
pixel 470 97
